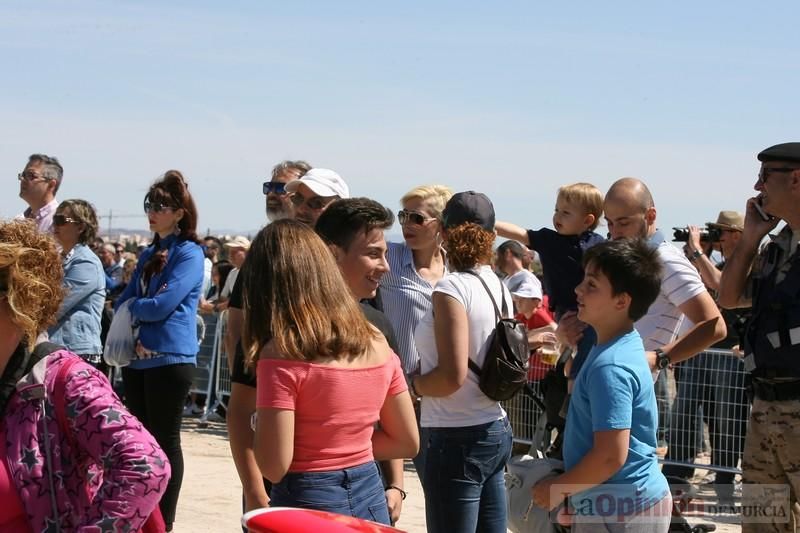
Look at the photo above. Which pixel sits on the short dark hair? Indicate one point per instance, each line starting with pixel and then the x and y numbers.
pixel 632 266
pixel 516 249
pixel 344 219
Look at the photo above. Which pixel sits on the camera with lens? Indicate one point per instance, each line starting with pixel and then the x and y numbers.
pixel 710 234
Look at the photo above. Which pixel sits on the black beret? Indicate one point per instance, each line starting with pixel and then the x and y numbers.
pixel 781 152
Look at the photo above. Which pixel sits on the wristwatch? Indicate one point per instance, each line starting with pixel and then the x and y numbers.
pixel 662 359
pixel 697 254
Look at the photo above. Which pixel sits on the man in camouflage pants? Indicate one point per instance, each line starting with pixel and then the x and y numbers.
pixel 771 461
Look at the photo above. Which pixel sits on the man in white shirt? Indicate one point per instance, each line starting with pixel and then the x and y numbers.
pixel 630 212
pixel 237 253
pixel 38 185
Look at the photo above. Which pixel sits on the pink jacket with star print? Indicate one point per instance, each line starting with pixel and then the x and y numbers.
pixel 115 477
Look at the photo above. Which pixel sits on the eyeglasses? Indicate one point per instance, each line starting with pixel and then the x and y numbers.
pixel 60 220
pixel 275 187
pixel 30 177
pixel 315 202
pixel 156 207
pixel 764 173
pixel 412 217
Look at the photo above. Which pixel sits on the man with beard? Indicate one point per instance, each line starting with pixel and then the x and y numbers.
pixel 630 212
pixel 278 200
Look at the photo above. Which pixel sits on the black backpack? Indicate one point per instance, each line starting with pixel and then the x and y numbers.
pixel 505 369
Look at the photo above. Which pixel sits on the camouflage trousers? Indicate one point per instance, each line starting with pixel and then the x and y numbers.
pixel 771 467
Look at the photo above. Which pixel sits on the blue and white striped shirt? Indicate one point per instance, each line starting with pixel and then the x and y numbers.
pixel 406 297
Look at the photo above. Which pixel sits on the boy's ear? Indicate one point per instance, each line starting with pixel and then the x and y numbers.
pixel 623 301
pixel 589 220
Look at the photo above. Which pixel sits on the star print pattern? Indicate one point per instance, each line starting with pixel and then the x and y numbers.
pixel 107 452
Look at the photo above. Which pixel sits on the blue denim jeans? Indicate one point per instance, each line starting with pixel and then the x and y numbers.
pixel 463 481
pixel 355 491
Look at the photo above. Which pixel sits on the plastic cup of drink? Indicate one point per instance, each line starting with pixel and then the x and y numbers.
pixel 549 355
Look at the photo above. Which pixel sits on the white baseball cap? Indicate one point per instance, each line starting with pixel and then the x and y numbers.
pixel 323 182
pixel 524 284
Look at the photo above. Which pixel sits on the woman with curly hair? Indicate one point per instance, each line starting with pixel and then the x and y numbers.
pixel 77 324
pixel 165 288
pixel 469 436
pixel 72 458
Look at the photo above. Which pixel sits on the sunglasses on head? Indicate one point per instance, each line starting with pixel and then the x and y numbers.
pixel 156 207
pixel 412 217
pixel 315 202
pixel 275 187
pixel 60 220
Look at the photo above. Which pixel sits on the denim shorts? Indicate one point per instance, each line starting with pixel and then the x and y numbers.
pixel 355 491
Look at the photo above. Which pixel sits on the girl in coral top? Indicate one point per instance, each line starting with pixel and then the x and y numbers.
pixel 325 377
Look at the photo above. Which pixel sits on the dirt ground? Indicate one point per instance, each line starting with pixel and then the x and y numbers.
pixel 210 499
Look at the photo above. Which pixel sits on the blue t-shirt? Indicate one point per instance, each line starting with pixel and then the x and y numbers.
pixel 614 390
pixel 562 264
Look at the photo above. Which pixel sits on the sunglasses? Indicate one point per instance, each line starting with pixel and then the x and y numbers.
pixel 156 207
pixel 30 177
pixel 315 202
pixel 60 220
pixel 764 173
pixel 275 187
pixel 412 217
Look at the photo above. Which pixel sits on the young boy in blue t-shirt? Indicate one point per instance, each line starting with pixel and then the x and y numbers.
pixel 611 469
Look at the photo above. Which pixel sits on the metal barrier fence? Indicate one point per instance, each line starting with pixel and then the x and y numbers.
pixel 528 421
pixel 206 325
pixel 707 390
pixel 218 388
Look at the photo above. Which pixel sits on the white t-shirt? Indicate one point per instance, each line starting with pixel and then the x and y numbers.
pixel 225 293
pixel 680 283
pixel 468 406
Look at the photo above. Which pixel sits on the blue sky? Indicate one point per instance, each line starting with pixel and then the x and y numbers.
pixel 509 98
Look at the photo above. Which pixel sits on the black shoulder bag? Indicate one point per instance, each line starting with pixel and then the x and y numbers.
pixel 505 368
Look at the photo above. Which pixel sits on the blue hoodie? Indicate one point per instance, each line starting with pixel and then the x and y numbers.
pixel 166 310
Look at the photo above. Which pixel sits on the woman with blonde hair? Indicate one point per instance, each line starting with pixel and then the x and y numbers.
pixel 325 377
pixel 72 458
pixel 416 265
pixel 469 435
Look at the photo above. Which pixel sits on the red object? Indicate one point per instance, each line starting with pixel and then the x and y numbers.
pixel 540 318
pixel 292 520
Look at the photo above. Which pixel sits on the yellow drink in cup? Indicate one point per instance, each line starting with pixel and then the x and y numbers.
pixel 549 355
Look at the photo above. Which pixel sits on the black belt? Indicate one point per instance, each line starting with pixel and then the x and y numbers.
pixel 776 392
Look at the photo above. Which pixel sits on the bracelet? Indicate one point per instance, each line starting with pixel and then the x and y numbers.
pixel 413 389
pixel 403 493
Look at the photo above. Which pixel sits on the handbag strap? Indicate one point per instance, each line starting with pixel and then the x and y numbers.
pixel 491 297
pixel 470 363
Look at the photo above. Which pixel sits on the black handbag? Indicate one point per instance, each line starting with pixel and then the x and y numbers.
pixel 505 368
